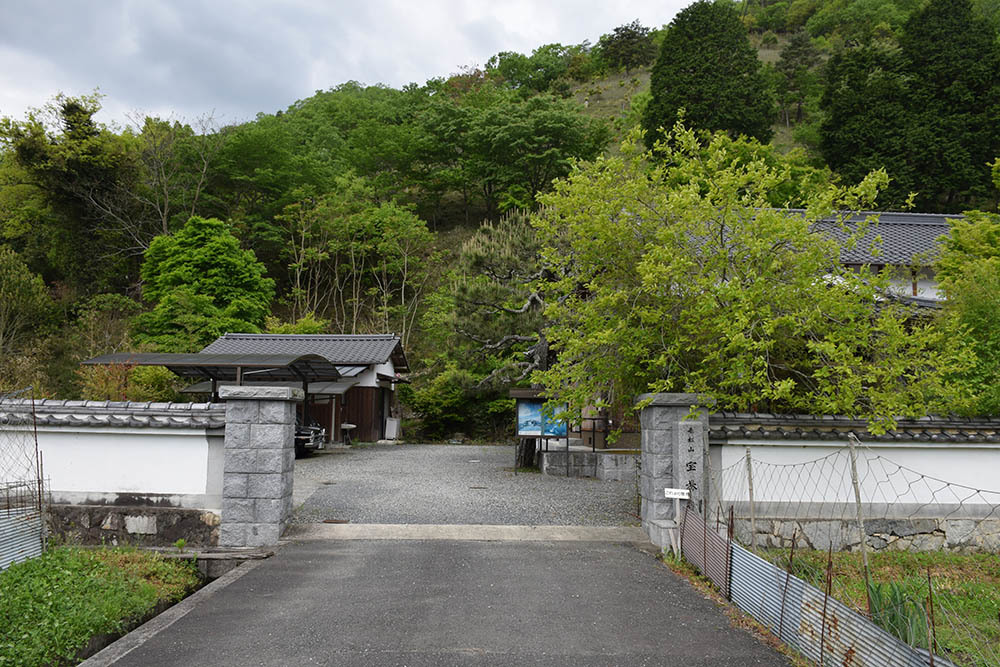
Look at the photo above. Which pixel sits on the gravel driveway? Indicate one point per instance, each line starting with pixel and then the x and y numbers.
pixel 450 484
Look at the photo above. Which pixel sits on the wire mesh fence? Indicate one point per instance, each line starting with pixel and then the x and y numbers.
pixel 22 491
pixel 854 558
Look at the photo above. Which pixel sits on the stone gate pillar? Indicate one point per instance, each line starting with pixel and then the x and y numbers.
pixel 674 455
pixel 259 461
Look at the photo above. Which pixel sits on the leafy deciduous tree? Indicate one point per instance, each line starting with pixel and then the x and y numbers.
pixel 628 46
pixel 25 305
pixel 683 278
pixel 203 285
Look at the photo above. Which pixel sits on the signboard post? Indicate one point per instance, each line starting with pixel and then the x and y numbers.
pixel 677 495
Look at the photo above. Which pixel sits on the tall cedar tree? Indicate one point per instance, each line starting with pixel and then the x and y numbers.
pixel 954 62
pixel 708 67
pixel 866 118
pixel 928 112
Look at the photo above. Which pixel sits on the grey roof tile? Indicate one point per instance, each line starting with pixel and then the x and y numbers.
pixel 725 426
pixel 49 412
pixel 343 349
pixel 898 238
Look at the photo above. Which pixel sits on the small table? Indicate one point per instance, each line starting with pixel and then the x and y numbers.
pixel 346 429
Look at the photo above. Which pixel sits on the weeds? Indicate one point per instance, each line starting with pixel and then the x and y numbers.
pixel 53 604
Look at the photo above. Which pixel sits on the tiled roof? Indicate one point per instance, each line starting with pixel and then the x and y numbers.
pixel 729 426
pixel 346 349
pixel 114 414
pixel 897 238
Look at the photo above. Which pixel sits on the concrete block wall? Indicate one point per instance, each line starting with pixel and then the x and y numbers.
pixel 674 455
pixel 259 464
pixel 606 466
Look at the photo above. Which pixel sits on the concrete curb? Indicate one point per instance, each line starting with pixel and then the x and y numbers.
pixel 133 640
pixel 464 532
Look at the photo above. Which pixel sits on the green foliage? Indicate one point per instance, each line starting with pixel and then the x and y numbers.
pixel 503 151
pixel 25 305
pixel 102 323
pixel 77 181
pixel 923 112
pixel 53 604
pixel 122 382
pixel 307 324
pixel 628 46
pixel 953 59
pixel 858 22
pixel 493 303
pixel 897 613
pixel 866 117
pixel 681 277
pixel 968 269
pixel 707 67
pixel 799 78
pixel 536 73
pixel 202 285
pixel 451 402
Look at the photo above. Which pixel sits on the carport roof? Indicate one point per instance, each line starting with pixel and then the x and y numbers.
pixel 223 367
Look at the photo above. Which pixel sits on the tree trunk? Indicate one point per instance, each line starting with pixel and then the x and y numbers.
pixel 526 450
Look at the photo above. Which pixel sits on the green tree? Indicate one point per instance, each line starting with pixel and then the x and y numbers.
pixel 707 67
pixel 25 305
pixel 968 269
pixel 953 59
pixel 85 175
pixel 797 66
pixel 628 46
pixel 683 278
pixel 530 74
pixel 202 285
pixel 867 115
pixel 495 304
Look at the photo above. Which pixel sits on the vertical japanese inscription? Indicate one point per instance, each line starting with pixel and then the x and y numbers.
pixel 689 472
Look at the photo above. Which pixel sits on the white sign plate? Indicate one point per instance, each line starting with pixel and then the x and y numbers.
pixel 679 494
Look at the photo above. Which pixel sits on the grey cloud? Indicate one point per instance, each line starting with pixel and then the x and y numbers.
pixel 239 57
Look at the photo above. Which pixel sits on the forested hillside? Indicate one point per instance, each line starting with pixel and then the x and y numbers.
pixel 366 208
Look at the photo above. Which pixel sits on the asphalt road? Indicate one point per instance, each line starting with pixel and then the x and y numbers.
pixel 419 603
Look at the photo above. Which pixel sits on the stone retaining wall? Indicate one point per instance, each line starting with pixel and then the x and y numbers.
pixel 603 465
pixel 138 525
pixel 959 535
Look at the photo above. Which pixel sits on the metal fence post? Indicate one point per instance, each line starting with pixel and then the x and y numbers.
pixel 753 517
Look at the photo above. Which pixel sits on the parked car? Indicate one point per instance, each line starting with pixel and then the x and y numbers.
pixel 308 436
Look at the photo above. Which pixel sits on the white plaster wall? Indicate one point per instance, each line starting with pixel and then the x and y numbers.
pixel 934 473
pixel 926 287
pixel 369 378
pixel 97 464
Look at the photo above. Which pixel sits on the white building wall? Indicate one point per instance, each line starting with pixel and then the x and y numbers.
pixel 803 471
pixel 180 467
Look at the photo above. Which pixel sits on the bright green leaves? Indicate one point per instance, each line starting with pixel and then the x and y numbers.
pixel 681 277
pixel 969 271
pixel 203 285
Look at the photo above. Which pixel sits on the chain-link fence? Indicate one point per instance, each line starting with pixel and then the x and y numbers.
pixel 22 491
pixel 853 558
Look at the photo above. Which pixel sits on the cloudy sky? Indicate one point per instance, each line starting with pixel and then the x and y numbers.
pixel 186 58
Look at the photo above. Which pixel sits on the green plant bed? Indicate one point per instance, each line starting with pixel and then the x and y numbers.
pixel 966 595
pixel 55 604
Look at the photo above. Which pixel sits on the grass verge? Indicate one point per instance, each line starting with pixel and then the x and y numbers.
pixel 966 594
pixel 54 604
